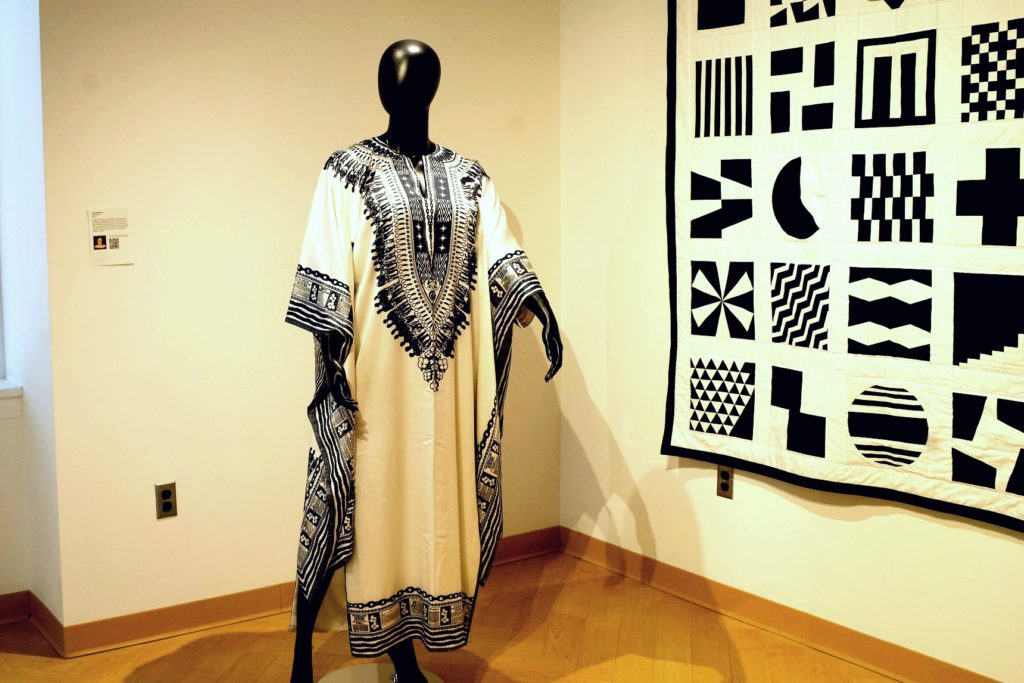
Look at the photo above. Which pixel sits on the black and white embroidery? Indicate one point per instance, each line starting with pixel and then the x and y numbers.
pixel 327 535
pixel 322 305
pixel 425 255
pixel 443 622
pixel 511 281
pixel 319 303
pixel 424 248
pixel 353 166
pixel 490 517
pixel 440 621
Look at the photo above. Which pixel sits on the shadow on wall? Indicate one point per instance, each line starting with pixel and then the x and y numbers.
pixel 530 437
pixel 587 440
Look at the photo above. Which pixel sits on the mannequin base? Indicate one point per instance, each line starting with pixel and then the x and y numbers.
pixel 370 673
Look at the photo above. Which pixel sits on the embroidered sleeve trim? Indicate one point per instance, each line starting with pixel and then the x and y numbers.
pixel 319 303
pixel 327 535
pixel 322 304
pixel 512 281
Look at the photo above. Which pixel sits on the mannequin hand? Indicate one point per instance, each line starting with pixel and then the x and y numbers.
pixel 552 347
pixel 538 304
pixel 342 393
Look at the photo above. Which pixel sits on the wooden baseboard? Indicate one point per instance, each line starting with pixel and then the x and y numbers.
pixel 287 595
pixel 47 624
pixel 165 622
pixel 853 646
pixel 14 607
pixel 529 544
pixel 141 627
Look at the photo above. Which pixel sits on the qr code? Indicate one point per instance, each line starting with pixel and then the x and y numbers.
pixel 115 242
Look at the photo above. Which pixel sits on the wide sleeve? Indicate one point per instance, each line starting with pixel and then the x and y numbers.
pixel 510 277
pixel 321 297
pixel 321 303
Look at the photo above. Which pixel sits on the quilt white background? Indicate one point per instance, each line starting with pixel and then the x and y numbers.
pixel 846 253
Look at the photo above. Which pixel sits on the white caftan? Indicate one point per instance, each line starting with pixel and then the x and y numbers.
pixel 406 492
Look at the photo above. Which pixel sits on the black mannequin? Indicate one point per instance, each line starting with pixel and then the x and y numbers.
pixel 407 80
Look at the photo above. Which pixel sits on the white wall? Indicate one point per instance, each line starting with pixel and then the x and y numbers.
pixel 953 592
pixel 210 122
pixel 29 539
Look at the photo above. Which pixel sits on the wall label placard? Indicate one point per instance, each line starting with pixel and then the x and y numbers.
pixel 110 243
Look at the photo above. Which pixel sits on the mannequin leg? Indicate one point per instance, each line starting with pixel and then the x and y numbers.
pixel 403 656
pixel 305 618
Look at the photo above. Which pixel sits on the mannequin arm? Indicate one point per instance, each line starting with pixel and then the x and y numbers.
pixel 539 306
pixel 330 346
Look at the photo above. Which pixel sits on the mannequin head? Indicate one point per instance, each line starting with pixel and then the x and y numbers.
pixel 408 76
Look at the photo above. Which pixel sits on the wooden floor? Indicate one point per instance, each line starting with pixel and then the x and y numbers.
pixel 552 618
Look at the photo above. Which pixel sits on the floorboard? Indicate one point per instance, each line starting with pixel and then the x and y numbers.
pixel 549 618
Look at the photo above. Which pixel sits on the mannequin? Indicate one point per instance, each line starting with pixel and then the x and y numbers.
pixel 407 79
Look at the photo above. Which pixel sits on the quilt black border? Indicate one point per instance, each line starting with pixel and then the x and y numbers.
pixel 962 511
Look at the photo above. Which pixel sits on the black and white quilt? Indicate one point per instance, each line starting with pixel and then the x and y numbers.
pixel 845 203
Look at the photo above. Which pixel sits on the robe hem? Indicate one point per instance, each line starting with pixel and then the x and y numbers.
pixel 441 622
pixel 432 648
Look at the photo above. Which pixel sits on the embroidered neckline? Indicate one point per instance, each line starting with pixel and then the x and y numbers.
pixel 424 247
pixel 437 151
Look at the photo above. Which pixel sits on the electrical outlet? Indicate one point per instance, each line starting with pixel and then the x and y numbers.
pixel 166 500
pixel 725 480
